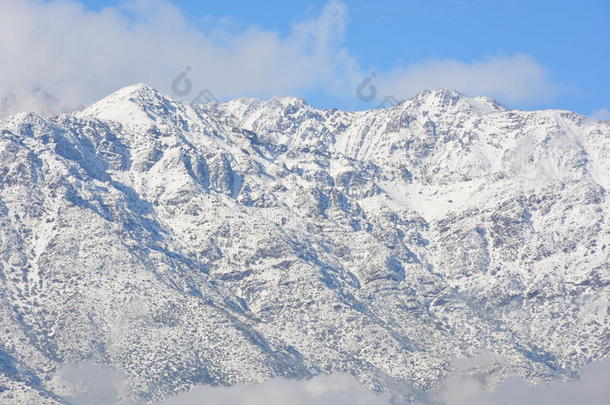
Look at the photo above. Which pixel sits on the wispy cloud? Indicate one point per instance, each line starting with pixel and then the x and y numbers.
pixel 57 55
pixel 601 114
pixel 89 383
pixel 336 389
pixel 61 55
pixel 513 79
pixel 590 388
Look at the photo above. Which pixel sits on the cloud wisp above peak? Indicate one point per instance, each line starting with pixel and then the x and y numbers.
pixel 62 56
pixel 601 114
pixel 512 79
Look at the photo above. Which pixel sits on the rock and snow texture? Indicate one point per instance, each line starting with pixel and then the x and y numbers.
pixel 240 241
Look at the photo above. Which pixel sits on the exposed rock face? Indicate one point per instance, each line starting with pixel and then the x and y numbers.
pixel 235 242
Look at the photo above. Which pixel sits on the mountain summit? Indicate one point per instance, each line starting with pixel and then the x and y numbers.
pixel 234 242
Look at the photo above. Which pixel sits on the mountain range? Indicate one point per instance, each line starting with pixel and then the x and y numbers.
pixel 234 242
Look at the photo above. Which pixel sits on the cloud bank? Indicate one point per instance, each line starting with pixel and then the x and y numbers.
pixel 90 383
pixel 62 55
pixel 336 389
pixel 591 388
pixel 57 55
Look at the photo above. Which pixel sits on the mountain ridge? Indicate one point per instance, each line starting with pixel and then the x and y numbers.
pixel 234 242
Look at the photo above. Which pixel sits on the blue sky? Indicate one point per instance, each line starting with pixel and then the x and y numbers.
pixel 527 54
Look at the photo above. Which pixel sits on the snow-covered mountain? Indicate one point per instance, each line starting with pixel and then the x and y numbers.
pixel 239 241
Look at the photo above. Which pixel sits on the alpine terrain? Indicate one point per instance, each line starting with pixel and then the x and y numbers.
pixel 234 242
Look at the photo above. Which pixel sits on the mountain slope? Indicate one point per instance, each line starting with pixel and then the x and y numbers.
pixel 239 241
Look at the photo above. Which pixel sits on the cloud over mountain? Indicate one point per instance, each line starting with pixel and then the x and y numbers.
pixel 74 55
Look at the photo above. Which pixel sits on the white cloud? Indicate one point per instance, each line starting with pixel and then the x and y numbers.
pixel 601 114
pixel 90 383
pixel 75 55
pixel 512 79
pixel 57 55
pixel 338 389
pixel 591 388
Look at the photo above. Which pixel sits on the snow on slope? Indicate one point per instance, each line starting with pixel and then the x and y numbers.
pixel 239 241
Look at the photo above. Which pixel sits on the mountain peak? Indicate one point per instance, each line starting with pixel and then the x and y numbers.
pixel 138 93
pixel 444 98
pixel 137 89
pixel 440 94
pixel 134 104
pixel 289 101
